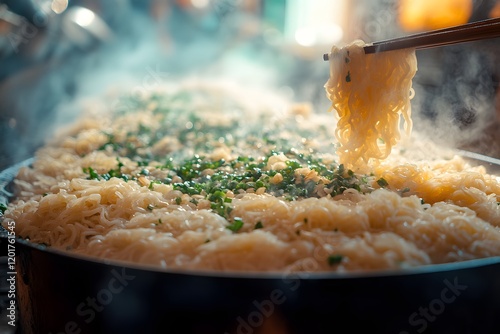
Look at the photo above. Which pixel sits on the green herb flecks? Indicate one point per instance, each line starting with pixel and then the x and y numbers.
pixel 215 179
pixel 382 182
pixel 93 175
pixel 3 208
pixel 162 148
pixel 334 259
pixel 236 225
pixel 115 172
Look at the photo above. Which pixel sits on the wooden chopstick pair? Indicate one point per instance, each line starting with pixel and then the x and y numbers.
pixel 469 32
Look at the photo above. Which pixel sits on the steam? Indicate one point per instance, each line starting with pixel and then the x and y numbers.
pixel 147 51
pixel 455 86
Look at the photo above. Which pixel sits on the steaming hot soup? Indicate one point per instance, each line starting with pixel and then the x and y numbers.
pixel 203 178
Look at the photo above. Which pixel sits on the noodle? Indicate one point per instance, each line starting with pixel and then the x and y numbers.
pixel 369 92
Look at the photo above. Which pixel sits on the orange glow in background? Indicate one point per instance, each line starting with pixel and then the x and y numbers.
pixel 433 14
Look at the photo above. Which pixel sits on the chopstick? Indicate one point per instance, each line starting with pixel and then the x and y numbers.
pixel 469 32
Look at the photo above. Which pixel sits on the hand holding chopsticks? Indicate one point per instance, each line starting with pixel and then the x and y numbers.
pixel 484 29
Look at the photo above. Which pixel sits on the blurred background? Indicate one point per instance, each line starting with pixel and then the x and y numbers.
pixel 53 53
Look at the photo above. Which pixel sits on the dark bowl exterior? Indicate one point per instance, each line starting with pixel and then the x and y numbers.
pixel 64 294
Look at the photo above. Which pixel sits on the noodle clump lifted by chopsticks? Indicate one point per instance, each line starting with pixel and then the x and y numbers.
pixel 369 93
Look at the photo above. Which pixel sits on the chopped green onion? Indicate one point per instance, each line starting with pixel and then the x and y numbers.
pixel 3 208
pixel 334 259
pixel 236 225
pixel 382 183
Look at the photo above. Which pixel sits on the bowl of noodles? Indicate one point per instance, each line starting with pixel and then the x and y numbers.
pixel 196 210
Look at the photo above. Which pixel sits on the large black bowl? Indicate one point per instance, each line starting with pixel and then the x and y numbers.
pixel 59 292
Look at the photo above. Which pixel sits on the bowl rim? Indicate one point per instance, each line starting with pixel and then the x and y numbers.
pixel 273 275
